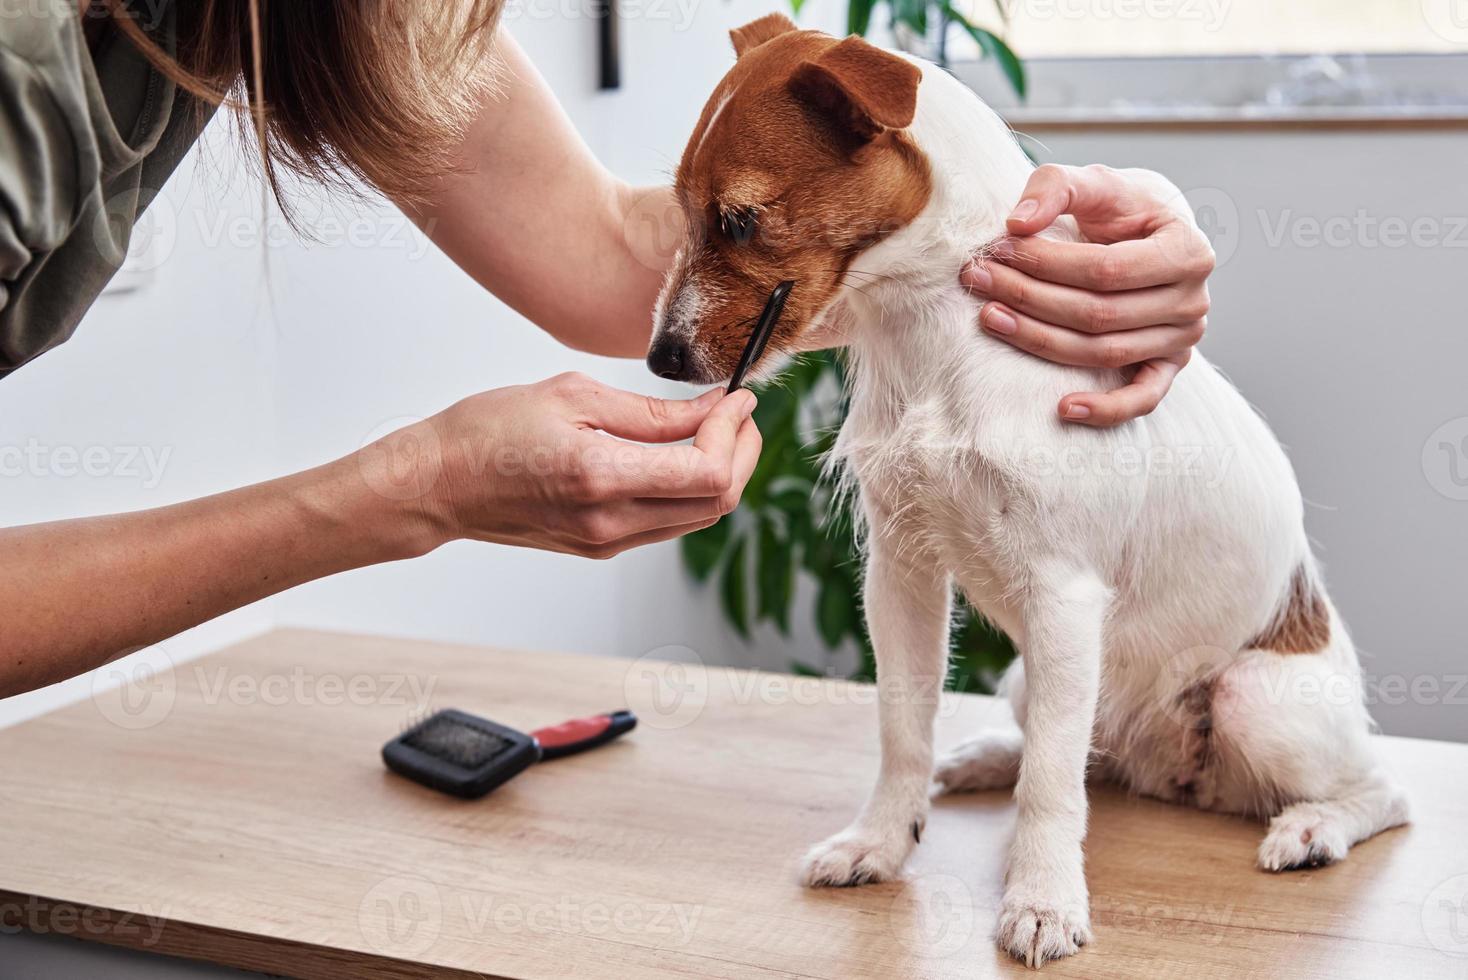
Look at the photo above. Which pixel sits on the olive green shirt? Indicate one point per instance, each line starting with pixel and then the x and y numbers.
pixel 87 139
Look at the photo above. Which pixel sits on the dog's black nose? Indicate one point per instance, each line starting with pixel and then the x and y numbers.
pixel 668 359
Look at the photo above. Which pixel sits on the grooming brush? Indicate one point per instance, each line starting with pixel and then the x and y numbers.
pixel 774 306
pixel 463 755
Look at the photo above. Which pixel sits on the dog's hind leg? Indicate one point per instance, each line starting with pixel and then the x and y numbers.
pixel 990 759
pixel 1293 738
pixel 908 600
pixel 1315 832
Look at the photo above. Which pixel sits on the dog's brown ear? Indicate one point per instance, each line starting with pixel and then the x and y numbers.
pixel 757 32
pixel 861 87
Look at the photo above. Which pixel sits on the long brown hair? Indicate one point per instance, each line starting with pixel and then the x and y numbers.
pixel 337 91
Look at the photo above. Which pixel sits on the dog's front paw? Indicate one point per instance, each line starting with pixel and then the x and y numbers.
pixel 858 856
pixel 1303 836
pixel 1035 930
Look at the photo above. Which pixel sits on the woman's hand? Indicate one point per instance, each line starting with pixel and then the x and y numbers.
pixel 1134 294
pixel 549 466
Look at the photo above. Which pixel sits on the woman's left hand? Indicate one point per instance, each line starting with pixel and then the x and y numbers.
pixel 1134 293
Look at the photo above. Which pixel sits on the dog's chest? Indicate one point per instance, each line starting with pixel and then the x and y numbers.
pixel 928 484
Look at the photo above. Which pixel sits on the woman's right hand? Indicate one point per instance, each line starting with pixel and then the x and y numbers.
pixel 550 466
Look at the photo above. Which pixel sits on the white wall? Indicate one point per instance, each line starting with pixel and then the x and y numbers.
pixel 1355 353
pixel 1338 311
pixel 164 395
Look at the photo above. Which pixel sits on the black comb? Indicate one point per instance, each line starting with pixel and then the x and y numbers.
pixel 774 306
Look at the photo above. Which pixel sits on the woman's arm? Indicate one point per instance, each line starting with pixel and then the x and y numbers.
pixel 545 466
pixel 539 222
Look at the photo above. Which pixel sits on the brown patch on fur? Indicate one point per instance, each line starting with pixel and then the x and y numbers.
pixel 1302 625
pixel 1195 714
pixel 798 164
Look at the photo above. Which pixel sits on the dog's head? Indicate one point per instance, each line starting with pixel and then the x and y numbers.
pixel 799 163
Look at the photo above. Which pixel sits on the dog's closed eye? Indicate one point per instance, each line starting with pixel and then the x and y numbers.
pixel 739 224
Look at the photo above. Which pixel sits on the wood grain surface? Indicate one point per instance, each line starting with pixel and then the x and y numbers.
pixel 235 810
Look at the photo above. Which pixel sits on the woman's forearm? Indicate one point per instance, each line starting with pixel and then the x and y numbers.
pixel 539 222
pixel 80 593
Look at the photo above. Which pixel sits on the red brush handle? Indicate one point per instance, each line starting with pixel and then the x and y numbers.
pixel 580 734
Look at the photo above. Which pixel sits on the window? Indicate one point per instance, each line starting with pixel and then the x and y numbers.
pixel 1232 61
pixel 1148 28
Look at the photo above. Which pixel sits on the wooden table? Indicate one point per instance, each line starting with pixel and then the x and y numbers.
pixel 236 811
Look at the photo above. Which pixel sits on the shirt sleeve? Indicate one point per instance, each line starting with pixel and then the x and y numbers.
pixel 47 158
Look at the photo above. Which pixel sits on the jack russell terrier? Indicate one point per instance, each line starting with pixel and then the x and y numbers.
pixel 1156 578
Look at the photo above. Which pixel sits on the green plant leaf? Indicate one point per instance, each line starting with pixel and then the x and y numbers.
pixel 835 611
pixel 913 13
pixel 859 16
pixel 795 6
pixel 734 587
pixel 702 549
pixel 775 576
pixel 994 47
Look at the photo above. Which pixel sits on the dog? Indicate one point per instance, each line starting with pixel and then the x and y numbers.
pixel 1173 629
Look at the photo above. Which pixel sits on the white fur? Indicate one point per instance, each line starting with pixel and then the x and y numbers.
pixel 1131 566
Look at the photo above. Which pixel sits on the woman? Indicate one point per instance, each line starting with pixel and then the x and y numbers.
pixel 431 106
